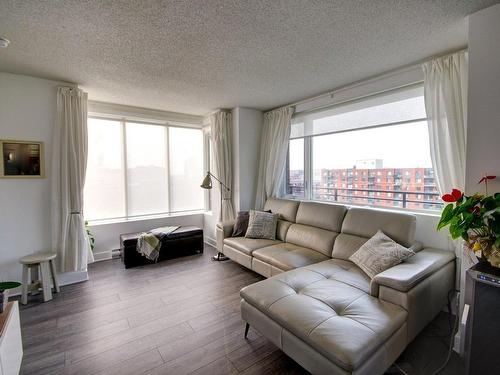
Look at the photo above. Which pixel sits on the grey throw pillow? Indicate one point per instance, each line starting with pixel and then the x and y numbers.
pixel 379 253
pixel 262 225
pixel 241 224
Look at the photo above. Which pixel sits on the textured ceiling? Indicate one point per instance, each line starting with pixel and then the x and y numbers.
pixel 195 56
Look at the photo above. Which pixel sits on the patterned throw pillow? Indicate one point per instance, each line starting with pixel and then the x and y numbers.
pixel 379 253
pixel 262 225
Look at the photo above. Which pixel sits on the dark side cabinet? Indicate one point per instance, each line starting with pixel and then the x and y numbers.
pixel 482 335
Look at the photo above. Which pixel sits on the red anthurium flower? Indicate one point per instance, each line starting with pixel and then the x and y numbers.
pixel 485 178
pixel 453 197
pixel 474 210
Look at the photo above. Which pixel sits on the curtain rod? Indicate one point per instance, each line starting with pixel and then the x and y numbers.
pixel 369 79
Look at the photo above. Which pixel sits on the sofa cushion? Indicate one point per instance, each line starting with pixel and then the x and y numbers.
pixel 343 271
pixel 282 229
pixel 287 256
pixel 340 321
pixel 311 237
pixel 365 222
pixel 287 209
pixel 360 224
pixel 248 245
pixel 321 215
pixel 346 244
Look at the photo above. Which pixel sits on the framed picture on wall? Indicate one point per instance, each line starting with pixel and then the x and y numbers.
pixel 21 159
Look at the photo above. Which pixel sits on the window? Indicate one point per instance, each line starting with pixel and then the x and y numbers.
pixel 147 179
pixel 295 169
pixel 104 184
pixel 136 169
pixel 186 169
pixel 383 137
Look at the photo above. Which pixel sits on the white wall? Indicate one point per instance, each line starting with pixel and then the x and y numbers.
pixel 27 112
pixel 483 115
pixel 427 234
pixel 247 126
pixel 107 236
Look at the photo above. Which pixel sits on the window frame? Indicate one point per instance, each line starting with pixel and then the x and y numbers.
pixel 308 159
pixel 123 121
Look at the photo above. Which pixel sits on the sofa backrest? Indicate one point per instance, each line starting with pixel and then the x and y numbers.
pixel 287 210
pixel 360 224
pixel 336 230
pixel 316 226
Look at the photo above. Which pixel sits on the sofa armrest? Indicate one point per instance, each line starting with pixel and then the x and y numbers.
pixel 223 230
pixel 406 275
pixel 227 227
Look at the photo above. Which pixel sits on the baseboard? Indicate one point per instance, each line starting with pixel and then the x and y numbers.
pixel 68 278
pixel 210 241
pixel 103 255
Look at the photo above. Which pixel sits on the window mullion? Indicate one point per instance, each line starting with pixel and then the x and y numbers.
pixel 167 167
pixel 125 166
pixel 308 173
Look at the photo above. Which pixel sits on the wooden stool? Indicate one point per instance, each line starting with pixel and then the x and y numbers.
pixel 31 264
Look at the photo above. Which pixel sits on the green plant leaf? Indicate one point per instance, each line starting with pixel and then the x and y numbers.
pixel 493 211
pixel 497 242
pixel 446 216
pixel 9 285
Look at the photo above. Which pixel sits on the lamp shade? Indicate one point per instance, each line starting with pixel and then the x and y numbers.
pixel 207 182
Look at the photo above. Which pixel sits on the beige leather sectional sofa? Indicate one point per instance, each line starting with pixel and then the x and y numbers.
pixel 320 308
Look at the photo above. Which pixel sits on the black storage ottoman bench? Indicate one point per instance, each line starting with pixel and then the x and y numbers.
pixel 185 240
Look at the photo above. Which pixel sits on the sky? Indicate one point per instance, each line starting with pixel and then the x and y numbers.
pixel 399 146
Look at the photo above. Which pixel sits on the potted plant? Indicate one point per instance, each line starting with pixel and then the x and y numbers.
pixel 90 236
pixel 475 219
pixel 4 292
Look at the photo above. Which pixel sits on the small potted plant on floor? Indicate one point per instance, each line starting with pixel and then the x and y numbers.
pixel 90 236
pixel 475 219
pixel 4 292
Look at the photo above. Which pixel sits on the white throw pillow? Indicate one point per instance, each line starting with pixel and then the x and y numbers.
pixel 262 225
pixel 379 253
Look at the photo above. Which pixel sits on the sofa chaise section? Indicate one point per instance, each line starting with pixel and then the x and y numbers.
pixel 326 325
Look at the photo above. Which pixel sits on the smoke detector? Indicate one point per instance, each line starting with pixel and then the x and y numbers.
pixel 4 42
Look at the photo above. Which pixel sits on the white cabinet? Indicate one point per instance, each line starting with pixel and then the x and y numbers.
pixel 11 347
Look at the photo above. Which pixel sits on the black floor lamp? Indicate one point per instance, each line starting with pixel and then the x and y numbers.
pixel 207 184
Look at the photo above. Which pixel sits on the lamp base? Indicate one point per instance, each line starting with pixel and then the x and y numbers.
pixel 220 257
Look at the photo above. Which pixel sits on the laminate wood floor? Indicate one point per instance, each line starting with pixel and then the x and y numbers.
pixel 176 317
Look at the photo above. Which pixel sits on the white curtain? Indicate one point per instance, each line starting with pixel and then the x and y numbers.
pixel 445 85
pixel 220 128
pixel 69 163
pixel 273 152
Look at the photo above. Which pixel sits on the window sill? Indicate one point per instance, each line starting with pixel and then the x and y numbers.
pixel 95 223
